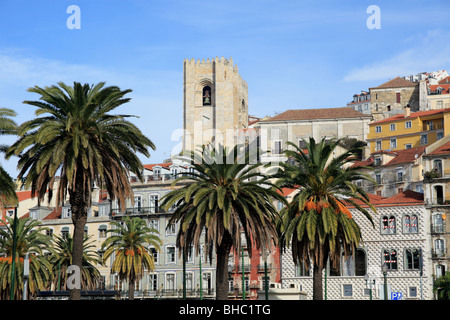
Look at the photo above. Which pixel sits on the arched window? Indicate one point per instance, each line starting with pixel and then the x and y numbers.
pixel 354 265
pixel 390 258
pixel 206 96
pixel 412 259
pixel 410 223
pixel 388 225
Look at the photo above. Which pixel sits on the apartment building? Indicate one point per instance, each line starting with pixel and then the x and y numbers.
pixel 437 199
pixel 408 130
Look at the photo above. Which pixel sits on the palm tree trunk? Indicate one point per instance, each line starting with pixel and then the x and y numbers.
pixel 131 289
pixel 223 253
pixel 79 218
pixel 317 283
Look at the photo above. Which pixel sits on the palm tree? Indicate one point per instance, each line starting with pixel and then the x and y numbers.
pixel 226 195
pixel 76 143
pixel 129 243
pixel 317 224
pixel 29 240
pixel 62 259
pixel 8 126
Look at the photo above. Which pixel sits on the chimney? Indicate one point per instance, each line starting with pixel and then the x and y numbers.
pixel 407 111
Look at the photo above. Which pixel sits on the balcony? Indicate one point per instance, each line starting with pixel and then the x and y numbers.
pixel 437 228
pixel 439 253
pixel 138 211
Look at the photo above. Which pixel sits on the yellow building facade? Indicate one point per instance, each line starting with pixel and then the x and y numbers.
pixel 409 130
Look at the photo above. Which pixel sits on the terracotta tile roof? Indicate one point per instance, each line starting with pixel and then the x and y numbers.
pixel 400 156
pixel 444 87
pixel 417 114
pixel 406 155
pixel 444 149
pixel 286 191
pixel 397 83
pixel 321 113
pixel 164 165
pixel 407 197
pixel 445 80
pixel 55 214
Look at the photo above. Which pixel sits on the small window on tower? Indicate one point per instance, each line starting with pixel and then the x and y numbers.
pixel 206 96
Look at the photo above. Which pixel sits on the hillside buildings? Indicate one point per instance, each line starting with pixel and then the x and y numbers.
pixel 405 122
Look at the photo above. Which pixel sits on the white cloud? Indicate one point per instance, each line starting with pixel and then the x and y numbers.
pixel 425 53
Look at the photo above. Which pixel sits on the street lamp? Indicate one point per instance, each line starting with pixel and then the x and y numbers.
pixel 384 269
pixel 370 282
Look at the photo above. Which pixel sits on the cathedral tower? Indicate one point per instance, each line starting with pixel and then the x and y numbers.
pixel 215 105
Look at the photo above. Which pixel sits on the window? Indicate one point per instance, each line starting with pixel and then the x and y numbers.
pixel 399 174
pixel 67 212
pixel 153 203
pixel 153 282
pixel 377 161
pixel 378 129
pixel 171 229
pixel 437 167
pixel 412 292
pixel 354 265
pixel 301 270
pixel 347 290
pixel 398 97
pixel 392 127
pixel 412 259
pixel 277 147
pixel 170 258
pixel 378 177
pixel 102 231
pixel 206 96
pixel 439 247
pixel 65 232
pixel 408 125
pixel 408 145
pixel 137 203
pixel 437 223
pixel 170 281
pixel 439 135
pixel 393 143
pixel 410 223
pixel 423 139
pixel 378 145
pixel 390 258
pixel 153 224
pixel 301 143
pixel 155 254
pixel 49 232
pixel 388 225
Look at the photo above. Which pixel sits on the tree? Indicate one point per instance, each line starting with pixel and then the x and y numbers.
pixel 75 143
pixel 317 224
pixel 62 259
pixel 29 240
pixel 441 287
pixel 225 195
pixel 8 196
pixel 129 243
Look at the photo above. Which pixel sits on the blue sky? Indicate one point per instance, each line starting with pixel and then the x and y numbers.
pixel 293 54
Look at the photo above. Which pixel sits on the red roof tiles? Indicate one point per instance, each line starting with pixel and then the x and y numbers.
pixel 411 116
pixel 397 83
pixel 321 113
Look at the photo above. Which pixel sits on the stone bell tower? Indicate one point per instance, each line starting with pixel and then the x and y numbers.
pixel 215 105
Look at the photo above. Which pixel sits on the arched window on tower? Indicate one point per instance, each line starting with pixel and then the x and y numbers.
pixel 207 96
